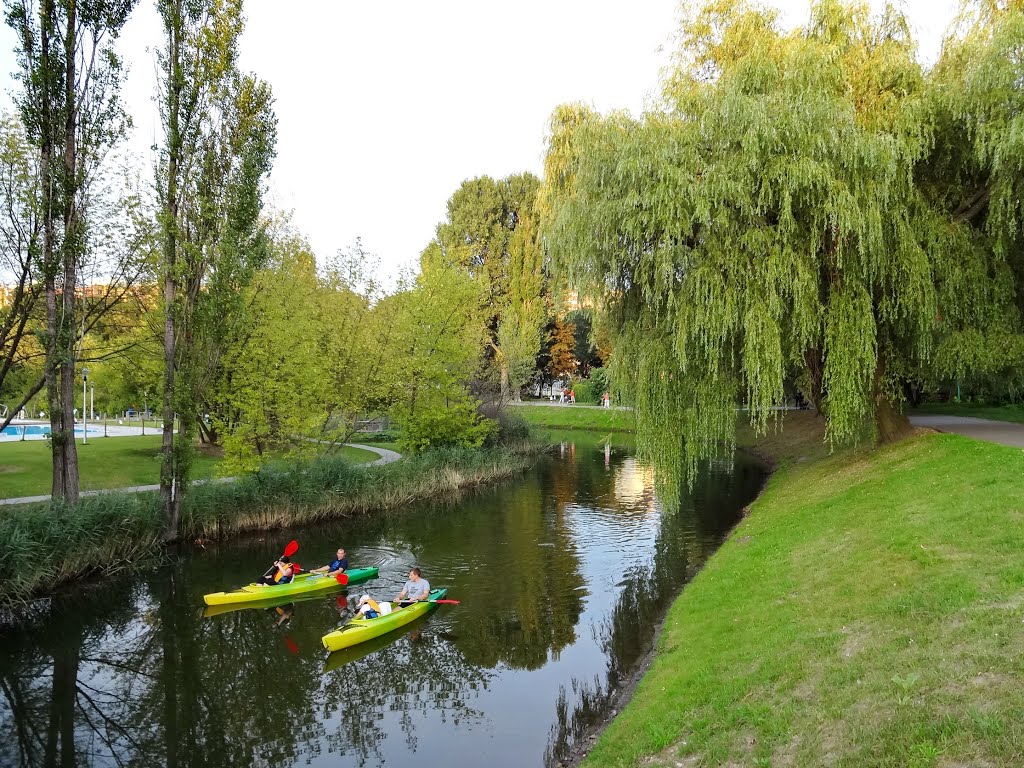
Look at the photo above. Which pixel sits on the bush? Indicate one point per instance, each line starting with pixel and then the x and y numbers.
pixel 511 428
pixel 590 390
pixel 457 426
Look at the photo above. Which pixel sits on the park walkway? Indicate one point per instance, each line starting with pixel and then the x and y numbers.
pixel 1002 432
pixel 385 456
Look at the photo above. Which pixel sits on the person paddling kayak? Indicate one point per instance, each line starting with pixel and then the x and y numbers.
pixel 281 573
pixel 415 589
pixel 338 565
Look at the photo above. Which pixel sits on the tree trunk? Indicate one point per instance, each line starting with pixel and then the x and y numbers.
pixel 48 185
pixel 71 246
pixel 815 368
pixel 168 470
pixel 505 390
pixel 891 423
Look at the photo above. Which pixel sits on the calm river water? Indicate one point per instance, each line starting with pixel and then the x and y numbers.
pixel 562 575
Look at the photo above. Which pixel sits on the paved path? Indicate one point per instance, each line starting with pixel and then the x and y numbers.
pixel 386 457
pixel 556 404
pixel 1002 432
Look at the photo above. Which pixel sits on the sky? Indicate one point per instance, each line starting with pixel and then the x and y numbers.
pixel 384 109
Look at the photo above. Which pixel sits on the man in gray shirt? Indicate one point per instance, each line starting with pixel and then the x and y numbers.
pixel 415 589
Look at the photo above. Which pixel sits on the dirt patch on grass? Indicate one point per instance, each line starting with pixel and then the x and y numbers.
pixel 10 469
pixel 209 450
pixel 670 758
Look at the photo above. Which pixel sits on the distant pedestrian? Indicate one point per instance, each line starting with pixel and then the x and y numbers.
pixel 561 395
pixel 572 395
pixel 606 401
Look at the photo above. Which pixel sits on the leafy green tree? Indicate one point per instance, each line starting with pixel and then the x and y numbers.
pixel 972 177
pixel 490 234
pixel 305 363
pixel 764 224
pixel 435 339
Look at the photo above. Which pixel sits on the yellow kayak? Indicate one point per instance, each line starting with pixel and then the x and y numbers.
pixel 302 584
pixel 360 630
pixel 338 659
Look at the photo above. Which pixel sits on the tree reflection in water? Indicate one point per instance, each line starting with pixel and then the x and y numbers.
pixel 685 540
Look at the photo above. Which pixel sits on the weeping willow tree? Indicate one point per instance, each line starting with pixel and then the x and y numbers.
pixel 974 177
pixel 763 226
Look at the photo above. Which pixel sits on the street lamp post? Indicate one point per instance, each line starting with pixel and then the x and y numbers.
pixel 85 421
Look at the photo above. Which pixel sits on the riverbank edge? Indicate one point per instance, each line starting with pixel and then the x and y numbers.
pixel 771 451
pixel 916 699
pixel 110 533
pixel 623 694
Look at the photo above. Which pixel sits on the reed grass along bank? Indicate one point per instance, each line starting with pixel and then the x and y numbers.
pixel 43 545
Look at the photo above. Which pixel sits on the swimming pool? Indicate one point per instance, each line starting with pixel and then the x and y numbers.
pixel 28 430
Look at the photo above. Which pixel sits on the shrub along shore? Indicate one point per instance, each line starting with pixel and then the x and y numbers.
pixel 867 611
pixel 44 545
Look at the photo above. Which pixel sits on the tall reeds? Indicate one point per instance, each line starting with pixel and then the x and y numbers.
pixel 42 545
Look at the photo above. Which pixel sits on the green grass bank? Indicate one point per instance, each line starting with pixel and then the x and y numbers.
pixel 574 417
pixel 43 545
pixel 105 463
pixel 867 612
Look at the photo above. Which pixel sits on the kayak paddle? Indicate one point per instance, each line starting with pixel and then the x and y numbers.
pixel 342 578
pixel 443 602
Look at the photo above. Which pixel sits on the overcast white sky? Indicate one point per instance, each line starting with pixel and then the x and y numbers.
pixel 385 108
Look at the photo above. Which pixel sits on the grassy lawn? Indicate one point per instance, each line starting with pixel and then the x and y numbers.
pixel 1012 413
pixel 867 612
pixel 106 462
pixel 574 417
pixel 357 455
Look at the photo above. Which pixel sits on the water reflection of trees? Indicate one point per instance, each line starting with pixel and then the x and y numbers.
pixel 684 541
pixel 135 677
pixel 419 673
pixel 56 708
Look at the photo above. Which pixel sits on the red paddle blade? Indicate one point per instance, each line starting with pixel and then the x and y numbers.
pixel 342 578
pixel 292 548
pixel 291 645
pixel 446 602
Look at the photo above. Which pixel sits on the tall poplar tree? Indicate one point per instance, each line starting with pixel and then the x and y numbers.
pixel 219 137
pixel 70 77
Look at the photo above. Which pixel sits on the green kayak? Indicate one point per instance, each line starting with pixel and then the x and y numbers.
pixel 302 584
pixel 360 630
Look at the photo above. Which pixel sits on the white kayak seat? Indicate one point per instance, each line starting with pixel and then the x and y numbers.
pixel 385 609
